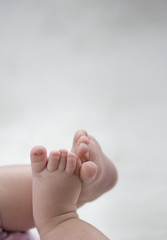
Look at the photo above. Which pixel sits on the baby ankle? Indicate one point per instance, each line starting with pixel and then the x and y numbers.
pixel 55 222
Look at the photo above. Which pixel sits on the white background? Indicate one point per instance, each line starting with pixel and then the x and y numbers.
pixel 101 66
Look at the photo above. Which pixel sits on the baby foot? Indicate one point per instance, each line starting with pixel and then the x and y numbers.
pixel 56 187
pixel 98 173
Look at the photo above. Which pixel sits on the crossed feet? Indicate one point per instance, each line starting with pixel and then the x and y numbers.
pixel 63 181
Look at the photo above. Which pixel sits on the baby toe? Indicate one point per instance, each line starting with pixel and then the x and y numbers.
pixel 83 152
pixel 63 160
pixel 88 172
pixel 78 134
pixel 53 161
pixel 38 157
pixel 71 163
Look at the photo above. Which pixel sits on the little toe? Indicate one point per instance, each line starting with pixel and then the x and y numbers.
pixel 53 161
pixel 88 172
pixel 71 163
pixel 38 157
pixel 62 160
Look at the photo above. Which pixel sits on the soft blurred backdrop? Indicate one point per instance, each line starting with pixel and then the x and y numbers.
pixel 101 66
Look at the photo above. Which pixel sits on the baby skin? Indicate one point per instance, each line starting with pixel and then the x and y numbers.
pixel 56 187
pixel 97 175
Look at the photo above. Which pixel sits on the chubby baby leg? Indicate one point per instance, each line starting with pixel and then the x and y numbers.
pixel 16 198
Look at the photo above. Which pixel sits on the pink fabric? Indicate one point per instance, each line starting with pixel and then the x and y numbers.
pixel 23 236
pixel 19 236
pixel 31 235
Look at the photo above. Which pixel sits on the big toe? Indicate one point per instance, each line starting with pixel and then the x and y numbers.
pixel 88 172
pixel 38 157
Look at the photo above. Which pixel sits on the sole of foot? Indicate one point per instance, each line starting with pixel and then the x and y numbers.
pixel 98 173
